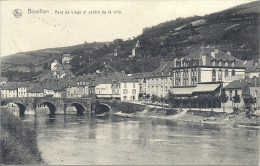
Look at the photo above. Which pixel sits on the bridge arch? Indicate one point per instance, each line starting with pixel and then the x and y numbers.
pixel 51 107
pixel 79 107
pixel 101 108
pixel 21 106
pixel 4 102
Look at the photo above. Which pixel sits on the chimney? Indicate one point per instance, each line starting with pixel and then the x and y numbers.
pixel 204 59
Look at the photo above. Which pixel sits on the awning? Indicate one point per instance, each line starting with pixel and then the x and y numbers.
pixel 200 88
pixel 182 91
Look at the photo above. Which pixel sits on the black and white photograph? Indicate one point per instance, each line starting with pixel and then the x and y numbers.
pixel 117 82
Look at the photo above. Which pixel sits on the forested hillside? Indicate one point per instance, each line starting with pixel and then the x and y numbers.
pixel 235 30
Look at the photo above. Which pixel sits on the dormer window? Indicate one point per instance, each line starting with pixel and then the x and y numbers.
pixel 194 63
pixel 226 63
pixel 213 63
pixel 233 63
pixel 220 63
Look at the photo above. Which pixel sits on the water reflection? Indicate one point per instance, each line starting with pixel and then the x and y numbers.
pixel 90 139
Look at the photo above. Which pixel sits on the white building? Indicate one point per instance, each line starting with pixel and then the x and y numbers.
pixel 66 59
pixel 107 87
pixel 129 89
pixel 53 64
pixel 206 65
pixel 159 82
pixel 10 90
pixel 35 92
pixel 22 89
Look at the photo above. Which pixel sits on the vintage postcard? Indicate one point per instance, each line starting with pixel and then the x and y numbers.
pixel 162 82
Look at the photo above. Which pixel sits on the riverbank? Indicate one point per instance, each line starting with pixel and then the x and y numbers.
pixel 196 116
pixel 18 141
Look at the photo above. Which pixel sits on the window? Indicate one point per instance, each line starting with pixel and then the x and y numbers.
pixel 233 72
pixel 230 95
pixel 226 72
pixel 125 91
pixel 124 85
pixel 133 85
pixel 226 63
pixel 233 63
pixel 214 75
pixel 133 91
pixel 220 75
pixel 133 97
pixel 124 97
pixel 220 63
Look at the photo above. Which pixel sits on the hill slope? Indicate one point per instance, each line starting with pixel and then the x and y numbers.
pixel 235 30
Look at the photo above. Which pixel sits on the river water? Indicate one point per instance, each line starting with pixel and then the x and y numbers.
pixel 111 139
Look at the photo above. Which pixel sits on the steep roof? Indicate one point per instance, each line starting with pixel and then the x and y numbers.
pixel 165 69
pixel 219 55
pixel 140 75
pixel 10 86
pixel 36 89
pixel 58 65
pixel 23 84
pixel 4 79
pixel 236 84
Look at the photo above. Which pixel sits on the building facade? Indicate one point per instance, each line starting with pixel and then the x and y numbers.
pixel 160 81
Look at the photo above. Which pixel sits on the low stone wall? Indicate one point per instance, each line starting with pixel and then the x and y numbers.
pixel 18 141
pixel 125 107
pixel 131 108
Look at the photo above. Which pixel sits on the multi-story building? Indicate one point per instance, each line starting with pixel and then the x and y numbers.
pixel 22 89
pixel 141 79
pixel 204 70
pixel 10 90
pixel 36 91
pixel 129 89
pixel 159 82
pixel 107 88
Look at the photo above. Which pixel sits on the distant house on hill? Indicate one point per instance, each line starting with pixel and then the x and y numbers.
pixel 135 50
pixel 252 68
pixel 66 59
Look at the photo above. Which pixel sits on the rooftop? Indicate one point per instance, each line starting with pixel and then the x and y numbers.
pixel 219 55
pixel 163 70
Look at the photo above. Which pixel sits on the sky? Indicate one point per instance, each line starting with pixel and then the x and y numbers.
pixel 127 19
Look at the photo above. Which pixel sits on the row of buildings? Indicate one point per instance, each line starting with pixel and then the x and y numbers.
pixel 110 86
pixel 205 71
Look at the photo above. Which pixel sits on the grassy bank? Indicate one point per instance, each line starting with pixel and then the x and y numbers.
pixel 18 141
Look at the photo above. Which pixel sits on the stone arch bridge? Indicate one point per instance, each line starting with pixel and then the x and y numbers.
pixel 58 105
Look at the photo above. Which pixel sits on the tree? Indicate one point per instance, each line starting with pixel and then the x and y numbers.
pixel 140 96
pixel 171 98
pixel 249 101
pixel 161 100
pixel 223 98
pixel 147 96
pixel 212 97
pixel 46 66
pixel 153 98
pixel 236 99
